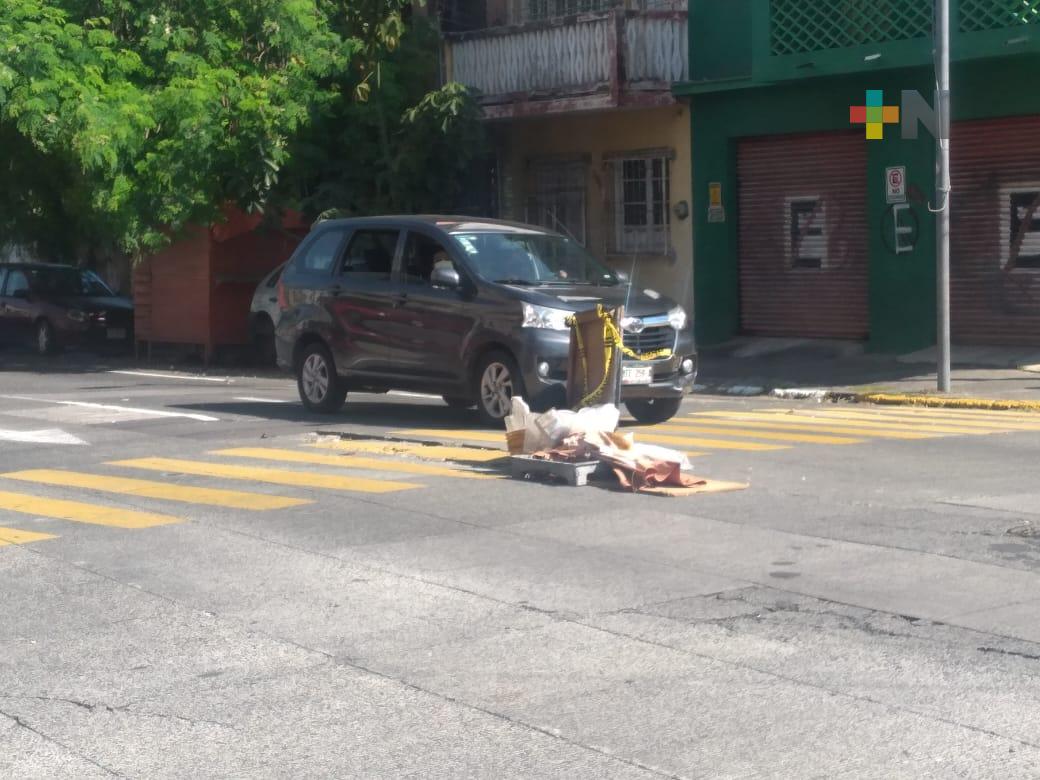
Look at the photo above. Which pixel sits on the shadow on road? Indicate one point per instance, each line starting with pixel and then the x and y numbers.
pixel 431 414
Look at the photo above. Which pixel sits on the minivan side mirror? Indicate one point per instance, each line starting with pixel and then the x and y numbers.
pixel 445 277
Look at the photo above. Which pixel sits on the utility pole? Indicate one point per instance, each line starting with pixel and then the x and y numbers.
pixel 942 187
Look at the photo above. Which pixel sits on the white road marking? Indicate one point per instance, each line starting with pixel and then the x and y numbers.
pixel 187 377
pixel 42 436
pixel 412 395
pixel 117 409
pixel 251 399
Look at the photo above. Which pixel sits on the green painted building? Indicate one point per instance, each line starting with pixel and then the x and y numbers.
pixel 805 228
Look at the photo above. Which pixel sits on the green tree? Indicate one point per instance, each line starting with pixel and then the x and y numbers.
pixel 407 149
pixel 126 120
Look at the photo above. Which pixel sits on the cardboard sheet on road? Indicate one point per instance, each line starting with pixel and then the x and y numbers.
pixel 709 486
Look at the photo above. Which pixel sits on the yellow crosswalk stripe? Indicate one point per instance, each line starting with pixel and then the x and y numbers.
pixel 1026 417
pixel 837 428
pixel 811 418
pixel 701 443
pixel 898 417
pixel 77 512
pixel 351 461
pixel 735 429
pixel 423 451
pixel 492 437
pixel 18 536
pixel 163 491
pixel 273 476
pixel 488 436
pixel 901 419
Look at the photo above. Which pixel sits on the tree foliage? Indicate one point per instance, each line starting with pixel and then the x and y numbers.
pixel 407 148
pixel 125 120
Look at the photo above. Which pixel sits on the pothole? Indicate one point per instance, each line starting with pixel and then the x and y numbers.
pixel 1024 531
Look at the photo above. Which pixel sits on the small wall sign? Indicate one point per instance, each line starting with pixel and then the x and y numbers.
pixel 895 184
pixel 716 211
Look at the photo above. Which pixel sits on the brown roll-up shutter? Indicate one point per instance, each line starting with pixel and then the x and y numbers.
pixel 819 179
pixel 994 278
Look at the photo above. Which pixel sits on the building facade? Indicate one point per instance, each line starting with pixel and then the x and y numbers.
pixel 588 137
pixel 812 199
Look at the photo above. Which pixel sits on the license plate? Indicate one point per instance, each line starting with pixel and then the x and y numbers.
pixel 637 375
pixel 117 333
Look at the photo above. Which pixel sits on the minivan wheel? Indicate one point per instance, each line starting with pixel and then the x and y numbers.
pixel 497 381
pixel 321 389
pixel 651 411
pixel 46 343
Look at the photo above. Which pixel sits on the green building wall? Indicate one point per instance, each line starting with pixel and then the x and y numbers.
pixel 901 287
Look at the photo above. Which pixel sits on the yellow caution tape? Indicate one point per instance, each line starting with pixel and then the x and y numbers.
pixel 612 338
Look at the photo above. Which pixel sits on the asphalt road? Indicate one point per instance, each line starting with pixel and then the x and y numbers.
pixel 200 579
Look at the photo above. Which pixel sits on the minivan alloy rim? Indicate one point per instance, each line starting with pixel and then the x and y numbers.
pixel 43 337
pixel 315 378
pixel 496 390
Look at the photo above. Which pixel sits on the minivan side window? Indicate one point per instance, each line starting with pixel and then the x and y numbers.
pixel 319 257
pixel 371 252
pixel 3 276
pixel 16 280
pixel 421 255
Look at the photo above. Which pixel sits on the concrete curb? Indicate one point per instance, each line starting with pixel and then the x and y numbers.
pixel 940 402
pixel 739 390
pixel 880 399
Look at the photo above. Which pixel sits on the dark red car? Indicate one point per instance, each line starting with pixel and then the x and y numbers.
pixel 51 306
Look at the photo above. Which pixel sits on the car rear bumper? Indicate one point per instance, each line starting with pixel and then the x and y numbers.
pixel 116 335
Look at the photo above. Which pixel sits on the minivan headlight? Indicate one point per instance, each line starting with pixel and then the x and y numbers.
pixel 677 318
pixel 545 317
pixel 76 315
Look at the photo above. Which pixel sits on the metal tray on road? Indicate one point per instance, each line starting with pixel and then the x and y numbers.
pixel 574 474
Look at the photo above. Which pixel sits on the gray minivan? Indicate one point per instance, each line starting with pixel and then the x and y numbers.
pixel 470 309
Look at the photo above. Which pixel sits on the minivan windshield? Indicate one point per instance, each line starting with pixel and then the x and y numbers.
pixel 532 259
pixel 68 283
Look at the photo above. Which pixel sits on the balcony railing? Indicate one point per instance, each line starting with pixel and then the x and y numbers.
pixel 605 53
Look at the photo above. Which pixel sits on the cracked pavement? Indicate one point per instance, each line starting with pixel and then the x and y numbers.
pixel 859 611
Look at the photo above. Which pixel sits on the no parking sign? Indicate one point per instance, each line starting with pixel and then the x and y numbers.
pixel 895 184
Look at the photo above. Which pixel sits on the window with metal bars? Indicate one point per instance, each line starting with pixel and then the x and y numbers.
pixel 640 208
pixel 1020 246
pixel 806 220
pixel 556 196
pixel 538 10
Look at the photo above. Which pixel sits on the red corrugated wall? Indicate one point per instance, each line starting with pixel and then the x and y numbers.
pixel 198 290
pixel 990 302
pixel 171 293
pixel 776 298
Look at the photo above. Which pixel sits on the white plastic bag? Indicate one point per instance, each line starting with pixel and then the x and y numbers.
pixel 663 454
pixel 558 424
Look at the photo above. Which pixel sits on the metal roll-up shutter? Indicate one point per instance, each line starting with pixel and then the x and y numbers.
pixel 995 232
pixel 803 236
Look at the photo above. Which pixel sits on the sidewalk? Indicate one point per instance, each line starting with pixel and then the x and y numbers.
pixel 838 369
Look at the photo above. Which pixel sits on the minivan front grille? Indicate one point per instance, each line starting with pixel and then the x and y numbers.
pixel 650 340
